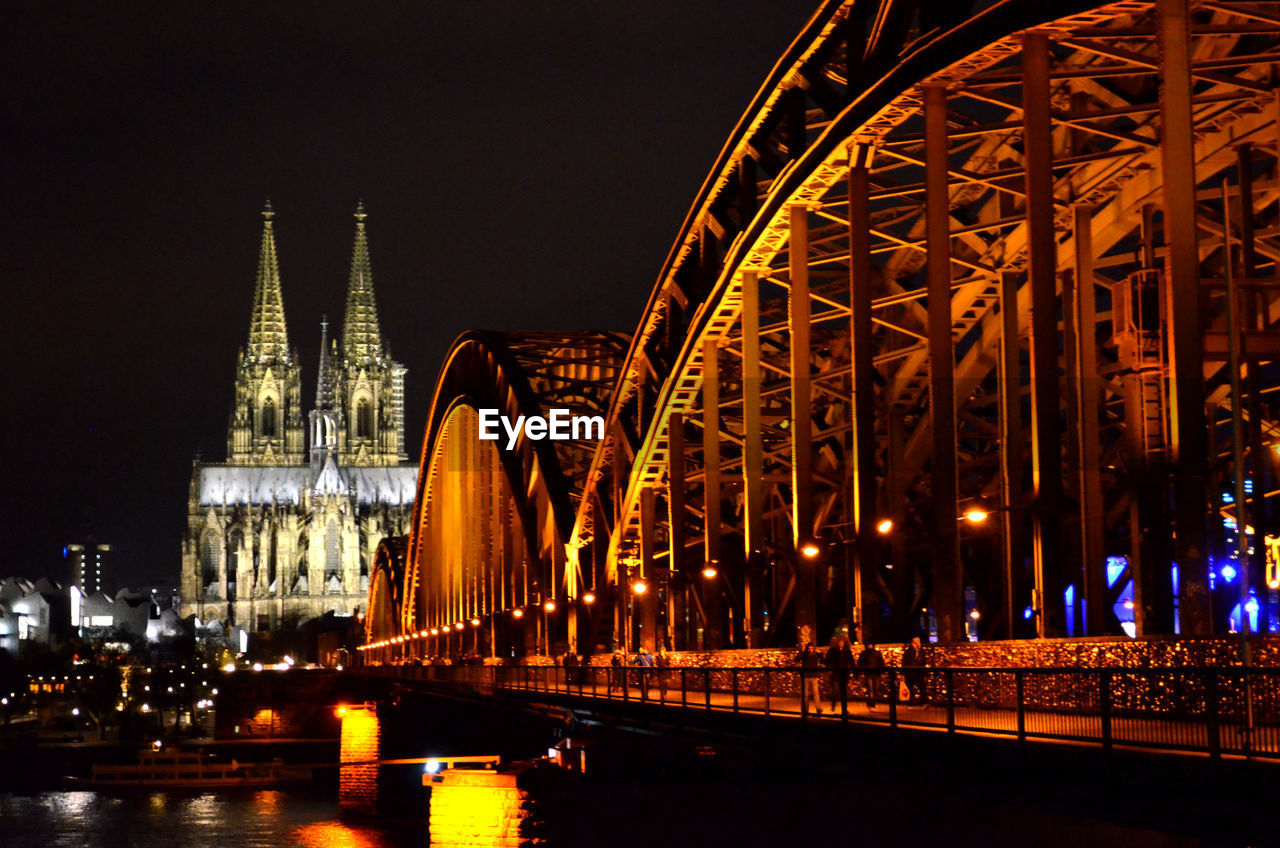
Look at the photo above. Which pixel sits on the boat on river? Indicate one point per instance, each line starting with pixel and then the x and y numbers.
pixel 177 769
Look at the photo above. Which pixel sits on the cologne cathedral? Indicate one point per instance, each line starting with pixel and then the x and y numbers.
pixel 286 529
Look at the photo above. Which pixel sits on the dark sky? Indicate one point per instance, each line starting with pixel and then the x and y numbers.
pixel 526 165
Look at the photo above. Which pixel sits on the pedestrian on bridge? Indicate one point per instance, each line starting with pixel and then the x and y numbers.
pixel 644 664
pixel 913 671
pixel 872 661
pixel 617 674
pixel 839 659
pixel 662 662
pixel 810 662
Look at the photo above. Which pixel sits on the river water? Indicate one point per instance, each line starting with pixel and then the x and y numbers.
pixel 264 819
pixel 655 814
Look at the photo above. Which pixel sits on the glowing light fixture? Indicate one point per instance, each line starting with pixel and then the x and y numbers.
pixel 589 598
pixel 975 614
pixel 639 587
pixel 517 613
pixel 710 572
pixel 976 516
pixel 229 667
pixel 810 550
pixel 340 711
pixel 884 525
pixel 435 631
pixel 1228 573
pixel 475 622
pixel 549 606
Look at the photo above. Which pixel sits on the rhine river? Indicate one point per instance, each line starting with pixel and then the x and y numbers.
pixel 680 813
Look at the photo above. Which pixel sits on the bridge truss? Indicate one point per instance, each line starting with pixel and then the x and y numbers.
pixel 955 259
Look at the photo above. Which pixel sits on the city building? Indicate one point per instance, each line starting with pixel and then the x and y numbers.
pixel 286 529
pixel 88 566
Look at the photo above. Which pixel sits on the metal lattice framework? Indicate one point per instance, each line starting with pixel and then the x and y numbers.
pixel 950 258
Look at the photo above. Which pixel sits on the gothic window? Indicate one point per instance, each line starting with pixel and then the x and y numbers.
pixel 210 553
pixel 234 543
pixel 364 419
pixel 332 560
pixel 268 417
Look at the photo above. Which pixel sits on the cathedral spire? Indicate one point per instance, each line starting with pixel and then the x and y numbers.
pixel 268 338
pixel 324 380
pixel 361 337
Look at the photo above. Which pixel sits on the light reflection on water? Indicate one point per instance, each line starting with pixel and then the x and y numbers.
pixel 172 820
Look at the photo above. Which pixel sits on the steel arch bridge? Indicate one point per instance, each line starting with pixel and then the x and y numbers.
pixel 1012 258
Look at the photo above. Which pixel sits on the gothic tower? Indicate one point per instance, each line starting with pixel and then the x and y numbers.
pixel 369 390
pixel 266 420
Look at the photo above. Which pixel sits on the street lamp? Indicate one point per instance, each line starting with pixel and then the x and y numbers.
pixel 549 606
pixel 639 587
pixel 589 598
pixel 810 550
pixel 710 571
pixel 884 526
pixel 976 515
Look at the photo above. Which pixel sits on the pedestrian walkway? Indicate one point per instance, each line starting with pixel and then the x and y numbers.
pixel 1101 706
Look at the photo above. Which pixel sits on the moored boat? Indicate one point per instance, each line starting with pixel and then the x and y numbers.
pixel 177 769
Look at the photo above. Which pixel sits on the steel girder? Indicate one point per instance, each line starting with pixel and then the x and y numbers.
pixel 837 95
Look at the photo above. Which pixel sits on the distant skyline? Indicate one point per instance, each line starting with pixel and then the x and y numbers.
pixel 524 166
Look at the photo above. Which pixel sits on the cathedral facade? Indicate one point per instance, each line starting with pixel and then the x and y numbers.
pixel 286 529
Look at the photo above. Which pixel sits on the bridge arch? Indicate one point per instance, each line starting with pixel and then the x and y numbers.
pixel 955 259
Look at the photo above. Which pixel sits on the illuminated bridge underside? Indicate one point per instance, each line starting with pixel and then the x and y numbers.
pixel 948 259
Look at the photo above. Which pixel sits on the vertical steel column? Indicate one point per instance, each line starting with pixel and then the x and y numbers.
pixel 1253 319
pixel 675 515
pixel 648 602
pixel 1188 440
pixel 1089 385
pixel 801 424
pixel 866 604
pixel 752 462
pixel 948 582
pixel 713 633
pixel 1012 446
pixel 1046 432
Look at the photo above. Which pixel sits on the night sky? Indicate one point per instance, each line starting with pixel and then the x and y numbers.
pixel 526 165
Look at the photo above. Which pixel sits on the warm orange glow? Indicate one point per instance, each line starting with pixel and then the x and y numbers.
pixel 810 550
pixel 517 613
pixel 639 587
pixel 463 799
pixel 332 835
pixel 975 615
pixel 423 634
pixel 709 572
pixel 340 711
pixel 884 525
pixel 435 631
pixel 475 622
pixel 549 606
pixel 976 516
pixel 358 784
pixel 589 598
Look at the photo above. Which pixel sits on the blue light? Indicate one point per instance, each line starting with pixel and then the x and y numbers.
pixel 1115 567
pixel 1028 613
pixel 1248 486
pixel 1226 498
pixel 1251 606
pixel 431 767
pixel 1228 573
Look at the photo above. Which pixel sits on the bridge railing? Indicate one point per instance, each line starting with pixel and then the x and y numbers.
pixel 1231 711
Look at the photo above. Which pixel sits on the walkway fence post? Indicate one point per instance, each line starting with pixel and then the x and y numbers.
pixel 893 697
pixel 1104 706
pixel 951 701
pixel 1020 684
pixel 684 687
pixel 766 690
pixel 735 690
pixel 1212 728
pixel 706 685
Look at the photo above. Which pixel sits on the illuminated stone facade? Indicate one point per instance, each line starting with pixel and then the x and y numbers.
pixel 283 533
